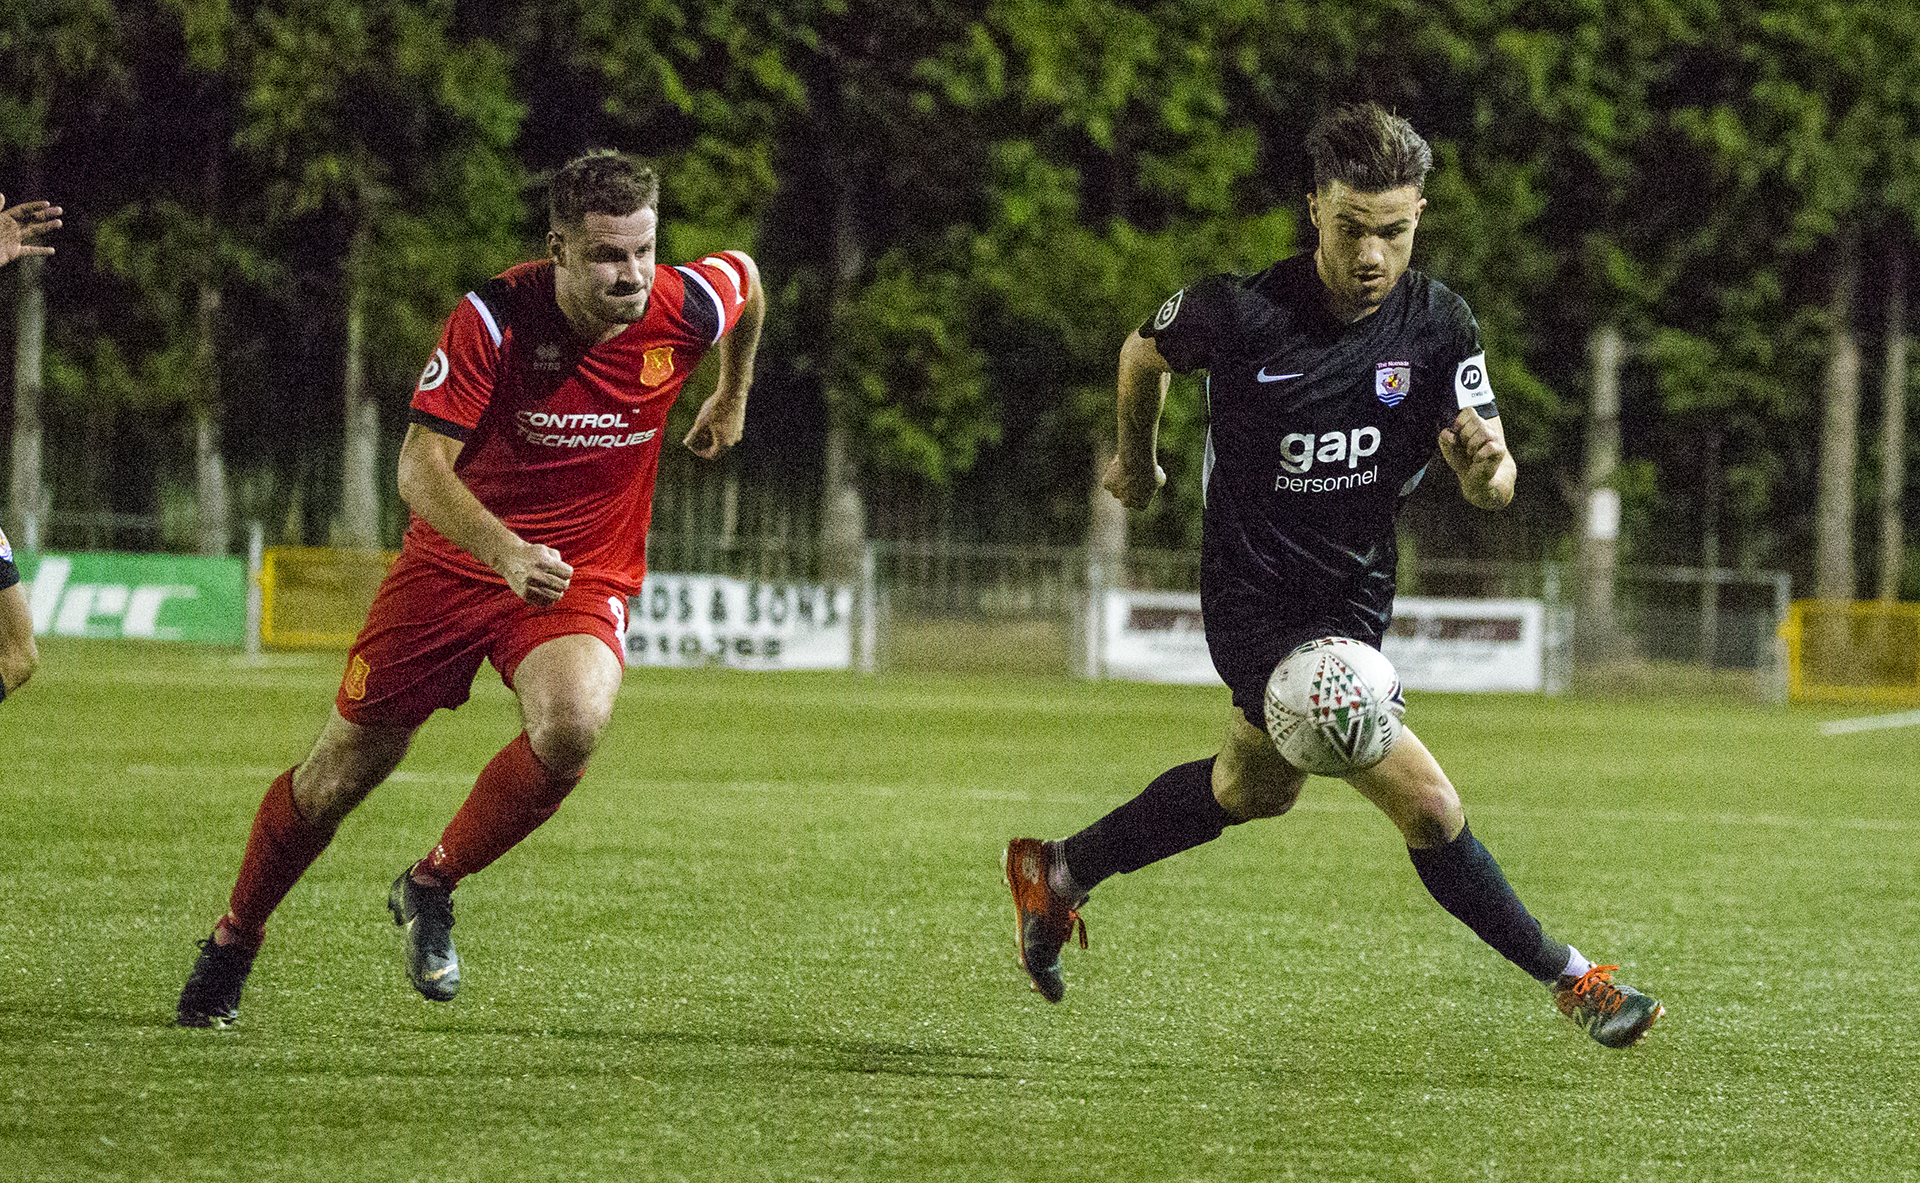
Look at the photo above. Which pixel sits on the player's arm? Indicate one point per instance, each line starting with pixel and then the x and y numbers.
pixel 1476 450
pixel 19 657
pixel 1135 474
pixel 432 489
pixel 723 417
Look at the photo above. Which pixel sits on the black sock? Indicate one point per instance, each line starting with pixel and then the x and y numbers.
pixel 1462 875
pixel 1174 813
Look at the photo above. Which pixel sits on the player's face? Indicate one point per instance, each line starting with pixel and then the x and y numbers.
pixel 603 269
pixel 1366 240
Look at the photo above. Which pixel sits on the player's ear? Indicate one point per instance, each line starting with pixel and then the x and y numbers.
pixel 1313 207
pixel 556 245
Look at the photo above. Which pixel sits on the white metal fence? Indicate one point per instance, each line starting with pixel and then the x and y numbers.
pixel 950 606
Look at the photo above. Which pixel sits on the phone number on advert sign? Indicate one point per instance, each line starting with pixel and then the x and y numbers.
pixel 695 648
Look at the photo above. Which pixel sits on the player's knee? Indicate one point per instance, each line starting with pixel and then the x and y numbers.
pixel 1430 818
pixel 347 763
pixel 17 663
pixel 323 798
pixel 564 741
pixel 1250 797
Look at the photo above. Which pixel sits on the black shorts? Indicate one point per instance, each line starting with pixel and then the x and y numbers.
pixel 1246 647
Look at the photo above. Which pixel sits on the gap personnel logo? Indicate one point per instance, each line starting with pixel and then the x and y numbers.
pixel 1168 311
pixel 1392 380
pixel 656 366
pixel 355 685
pixel 436 371
pixel 1299 451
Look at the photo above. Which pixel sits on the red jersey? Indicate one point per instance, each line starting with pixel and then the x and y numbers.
pixel 561 439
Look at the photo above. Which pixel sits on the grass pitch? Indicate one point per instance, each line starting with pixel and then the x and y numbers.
pixel 767 939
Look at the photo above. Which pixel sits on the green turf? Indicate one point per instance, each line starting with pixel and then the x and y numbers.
pixel 768 940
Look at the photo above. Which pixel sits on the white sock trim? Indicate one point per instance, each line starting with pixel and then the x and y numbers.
pixel 1576 964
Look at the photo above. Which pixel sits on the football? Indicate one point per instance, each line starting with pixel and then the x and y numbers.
pixel 1334 706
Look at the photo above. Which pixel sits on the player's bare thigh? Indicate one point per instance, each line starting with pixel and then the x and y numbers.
pixel 566 687
pixel 1411 789
pixel 1250 779
pixel 348 761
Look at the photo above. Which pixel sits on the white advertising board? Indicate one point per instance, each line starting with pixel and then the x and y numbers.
pixel 1155 637
pixel 686 620
pixel 1434 644
pixel 1467 644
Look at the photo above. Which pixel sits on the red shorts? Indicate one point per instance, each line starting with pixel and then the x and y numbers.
pixel 429 628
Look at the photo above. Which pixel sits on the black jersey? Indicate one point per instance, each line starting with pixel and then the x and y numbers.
pixel 1319 431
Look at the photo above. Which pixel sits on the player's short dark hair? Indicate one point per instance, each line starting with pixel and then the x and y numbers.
pixel 1366 147
pixel 601 181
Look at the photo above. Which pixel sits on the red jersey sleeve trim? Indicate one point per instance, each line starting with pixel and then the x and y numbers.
pixel 436 424
pixel 719 306
pixel 458 381
pixel 486 316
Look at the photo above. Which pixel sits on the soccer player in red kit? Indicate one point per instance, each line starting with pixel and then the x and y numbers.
pixel 529 467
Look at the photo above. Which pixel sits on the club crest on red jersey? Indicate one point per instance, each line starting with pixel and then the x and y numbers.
pixel 656 366
pixel 355 685
pixel 1392 380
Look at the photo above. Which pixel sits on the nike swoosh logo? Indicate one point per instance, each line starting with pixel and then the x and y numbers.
pixel 442 972
pixel 1263 376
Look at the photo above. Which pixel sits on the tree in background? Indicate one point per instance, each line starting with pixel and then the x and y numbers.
pixel 960 210
pixel 181 242
pixel 52 56
pixel 388 148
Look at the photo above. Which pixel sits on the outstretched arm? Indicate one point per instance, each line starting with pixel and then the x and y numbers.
pixel 1135 474
pixel 1476 450
pixel 723 417
pixel 430 487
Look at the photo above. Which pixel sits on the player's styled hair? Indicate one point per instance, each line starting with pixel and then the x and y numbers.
pixel 1368 148
pixel 600 181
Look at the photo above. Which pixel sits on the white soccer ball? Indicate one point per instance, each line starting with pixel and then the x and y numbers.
pixel 1334 706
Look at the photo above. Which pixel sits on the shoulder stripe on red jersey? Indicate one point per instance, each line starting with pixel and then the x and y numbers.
pixel 486 316
pixel 719 308
pixel 723 266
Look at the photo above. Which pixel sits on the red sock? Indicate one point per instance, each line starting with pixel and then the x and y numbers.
pixel 279 850
pixel 514 794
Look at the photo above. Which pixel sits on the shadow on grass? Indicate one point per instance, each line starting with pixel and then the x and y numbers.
pixel 802 1052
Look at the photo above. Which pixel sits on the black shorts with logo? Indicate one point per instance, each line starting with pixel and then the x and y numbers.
pixel 1247 644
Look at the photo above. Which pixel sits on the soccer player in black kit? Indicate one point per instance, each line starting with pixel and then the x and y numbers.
pixel 1333 379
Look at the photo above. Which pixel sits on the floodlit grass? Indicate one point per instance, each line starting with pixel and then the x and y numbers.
pixel 767 939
